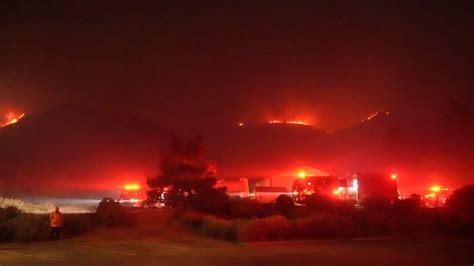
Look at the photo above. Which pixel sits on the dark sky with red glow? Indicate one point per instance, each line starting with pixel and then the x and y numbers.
pixel 186 64
pixel 202 67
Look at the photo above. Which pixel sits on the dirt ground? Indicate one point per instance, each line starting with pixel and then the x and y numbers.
pixel 160 241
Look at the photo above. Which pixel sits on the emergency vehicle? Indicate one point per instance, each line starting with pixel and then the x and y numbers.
pixel 133 196
pixel 353 187
pixel 436 197
pixel 310 185
pixel 364 185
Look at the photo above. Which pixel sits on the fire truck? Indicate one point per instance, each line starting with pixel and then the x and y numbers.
pixel 353 187
pixel 133 196
pixel 365 185
pixel 310 185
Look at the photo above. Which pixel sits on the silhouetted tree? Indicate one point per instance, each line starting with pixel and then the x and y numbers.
pixel 189 179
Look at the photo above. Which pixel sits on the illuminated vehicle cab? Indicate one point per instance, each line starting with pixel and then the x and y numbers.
pixel 374 185
pixel 352 188
pixel 132 196
pixel 306 186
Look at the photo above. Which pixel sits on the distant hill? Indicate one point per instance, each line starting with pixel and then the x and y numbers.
pixel 422 152
pixel 265 149
pixel 69 150
pixel 82 152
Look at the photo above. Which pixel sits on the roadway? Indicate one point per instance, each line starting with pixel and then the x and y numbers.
pixel 205 251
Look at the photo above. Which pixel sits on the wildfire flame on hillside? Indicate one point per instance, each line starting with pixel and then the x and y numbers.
pixel 294 122
pixel 373 115
pixel 11 119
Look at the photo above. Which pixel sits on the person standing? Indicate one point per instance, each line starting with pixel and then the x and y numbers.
pixel 56 218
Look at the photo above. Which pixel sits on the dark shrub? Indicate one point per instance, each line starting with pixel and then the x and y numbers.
pixel 8 213
pixel 219 228
pixel 245 208
pixel 318 202
pixel 29 227
pixel 379 224
pixel 77 224
pixel 407 206
pixel 461 208
pixel 345 208
pixel 270 228
pixel 360 223
pixel 321 225
pixel 192 218
pixel 285 205
pixel 302 211
pixel 461 203
pixel 7 232
pixel 268 209
pixel 376 203
pixel 110 213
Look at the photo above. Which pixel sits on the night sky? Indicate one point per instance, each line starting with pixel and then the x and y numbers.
pixel 103 83
pixel 186 64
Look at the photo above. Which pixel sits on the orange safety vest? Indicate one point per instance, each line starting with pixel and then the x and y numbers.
pixel 56 219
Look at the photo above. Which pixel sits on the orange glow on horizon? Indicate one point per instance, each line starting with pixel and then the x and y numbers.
pixel 132 187
pixel 437 188
pixel 301 174
pixel 11 119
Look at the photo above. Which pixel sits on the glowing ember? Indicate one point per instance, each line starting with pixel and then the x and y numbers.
pixel 241 124
pixel 11 119
pixel 394 176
